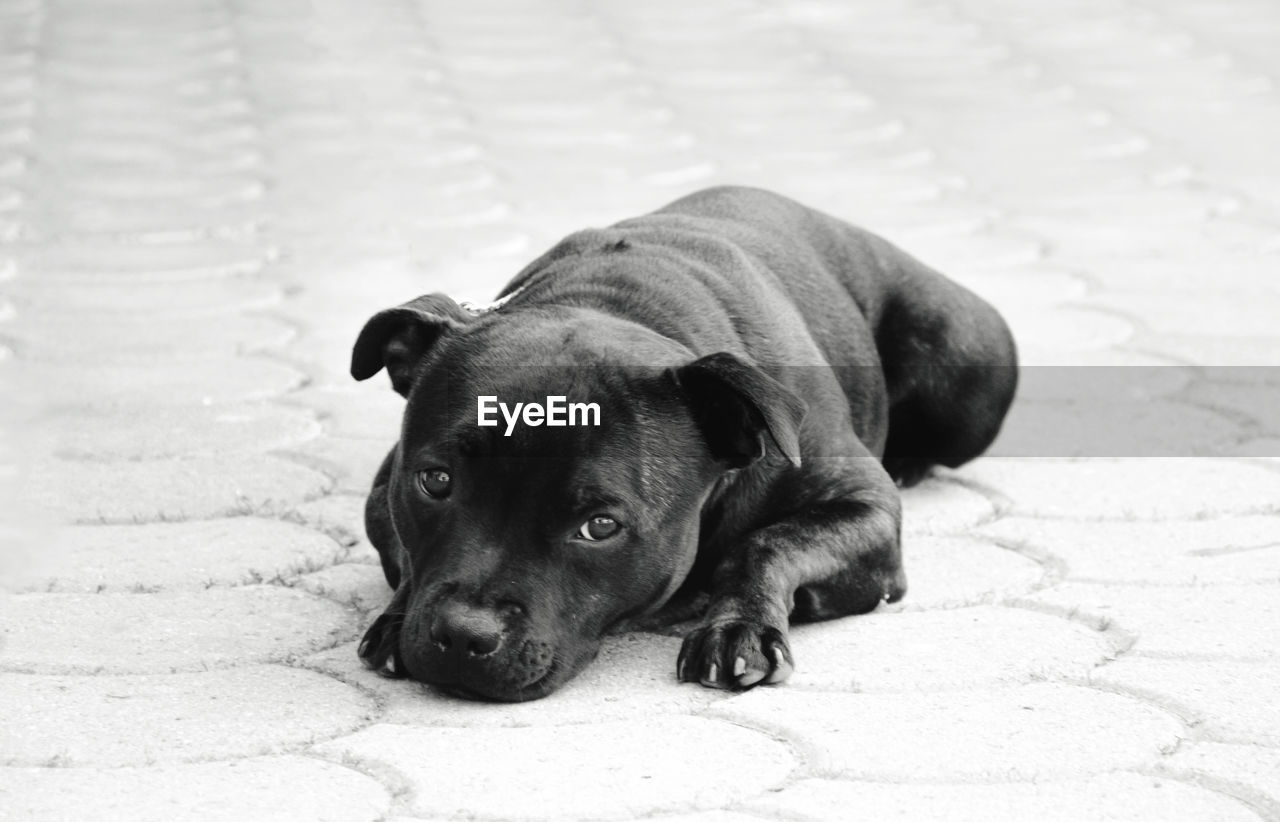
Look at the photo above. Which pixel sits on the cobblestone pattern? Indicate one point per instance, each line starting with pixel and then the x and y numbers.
pixel 202 200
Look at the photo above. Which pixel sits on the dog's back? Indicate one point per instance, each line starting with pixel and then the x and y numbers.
pixel 948 359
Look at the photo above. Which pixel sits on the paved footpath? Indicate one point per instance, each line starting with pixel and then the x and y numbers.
pixel 201 201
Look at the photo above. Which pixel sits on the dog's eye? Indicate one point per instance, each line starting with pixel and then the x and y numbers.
pixel 598 528
pixel 435 482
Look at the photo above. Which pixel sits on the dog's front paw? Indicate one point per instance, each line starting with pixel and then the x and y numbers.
pixel 380 648
pixel 734 655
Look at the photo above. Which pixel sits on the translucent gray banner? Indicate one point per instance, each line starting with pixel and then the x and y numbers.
pixel 1058 411
pixel 1144 411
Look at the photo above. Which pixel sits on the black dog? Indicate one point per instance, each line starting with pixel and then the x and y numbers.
pixel 738 381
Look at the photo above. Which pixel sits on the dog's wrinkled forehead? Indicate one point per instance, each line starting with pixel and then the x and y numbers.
pixel 605 426
pixel 508 400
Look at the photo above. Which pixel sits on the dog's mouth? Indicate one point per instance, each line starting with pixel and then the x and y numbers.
pixel 541 686
pixel 530 670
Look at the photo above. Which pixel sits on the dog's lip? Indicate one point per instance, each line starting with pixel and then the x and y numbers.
pixel 536 689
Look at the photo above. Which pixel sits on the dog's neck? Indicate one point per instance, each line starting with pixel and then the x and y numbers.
pixel 477 309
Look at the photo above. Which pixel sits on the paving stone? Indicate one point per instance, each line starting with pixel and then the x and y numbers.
pixel 1197 552
pixel 176 431
pixel 1170 206
pixel 1129 489
pixel 1113 797
pixel 1253 767
pixel 341 516
pixel 360 585
pixel 634 673
pixel 189 299
pixel 275 787
pixel 69 262
pixel 1030 285
pixel 947 572
pixel 123 341
pixel 1024 733
pixel 177 383
pixel 470 242
pixel 941 506
pixel 192 115
pixel 13 166
pixel 353 462
pixel 1258 402
pixel 1229 700
pixel 240 712
pixel 178 556
pixel 602 135
pixel 106 65
pixel 156 221
pixel 1212 350
pixel 1114 376
pixel 201 190
pixel 1065 328
pixel 1107 249
pixel 328 361
pixel 973 647
pixel 899 184
pixel 1185 267
pixel 1093 427
pixel 1038 359
pixel 158 490
pixel 173 631
pixel 356 412
pixel 1240 622
pixel 469 178
pixel 710 816
pixel 422 209
pixel 10 199
pixel 622 769
pixel 978 252
pixel 1234 377
pixel 334 307
pixel 152 156
pixel 755 140
pixel 1209 312
pixel 341 292
pixel 1262 448
pixel 904 222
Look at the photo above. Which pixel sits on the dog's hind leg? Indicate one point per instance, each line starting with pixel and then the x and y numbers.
pixel 950 365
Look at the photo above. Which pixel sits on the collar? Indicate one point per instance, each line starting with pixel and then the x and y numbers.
pixel 476 309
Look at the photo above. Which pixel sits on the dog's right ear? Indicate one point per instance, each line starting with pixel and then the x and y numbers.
pixel 398 337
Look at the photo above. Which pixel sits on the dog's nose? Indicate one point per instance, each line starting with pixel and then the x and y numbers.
pixel 466 630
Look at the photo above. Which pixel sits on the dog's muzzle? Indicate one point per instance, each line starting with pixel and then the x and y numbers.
pixel 476 651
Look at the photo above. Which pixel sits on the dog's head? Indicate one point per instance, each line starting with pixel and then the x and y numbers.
pixel 528 538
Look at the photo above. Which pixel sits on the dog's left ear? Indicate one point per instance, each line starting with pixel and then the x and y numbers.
pixel 398 337
pixel 736 405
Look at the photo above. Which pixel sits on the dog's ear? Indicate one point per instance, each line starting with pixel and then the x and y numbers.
pixel 736 405
pixel 398 337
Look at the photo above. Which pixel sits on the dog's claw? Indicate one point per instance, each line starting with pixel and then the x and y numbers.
pixel 380 648
pixel 736 656
pixel 782 667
